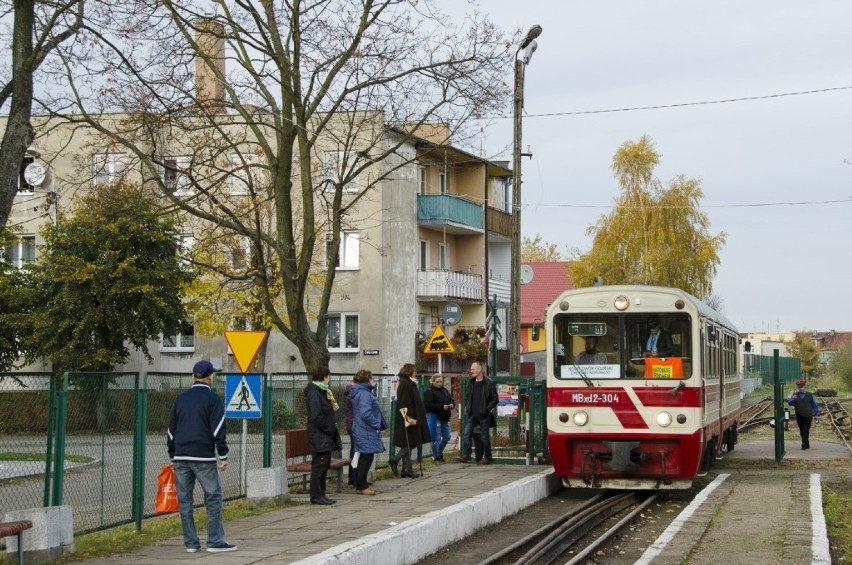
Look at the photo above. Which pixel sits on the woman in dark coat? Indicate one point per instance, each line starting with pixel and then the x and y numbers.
pixel 411 432
pixel 323 436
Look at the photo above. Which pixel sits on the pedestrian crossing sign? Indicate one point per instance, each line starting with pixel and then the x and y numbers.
pixel 439 343
pixel 242 396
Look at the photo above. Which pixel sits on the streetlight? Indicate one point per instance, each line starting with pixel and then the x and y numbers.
pixel 529 46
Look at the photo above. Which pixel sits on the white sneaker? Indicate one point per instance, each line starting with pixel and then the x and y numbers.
pixel 191 549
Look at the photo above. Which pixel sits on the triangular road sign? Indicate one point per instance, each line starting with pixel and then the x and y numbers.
pixel 439 343
pixel 245 345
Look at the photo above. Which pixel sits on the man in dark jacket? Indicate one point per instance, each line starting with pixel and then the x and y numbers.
pixel 479 404
pixel 806 410
pixel 196 435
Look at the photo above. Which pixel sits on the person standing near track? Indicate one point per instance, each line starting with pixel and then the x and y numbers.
pixel 439 406
pixel 323 437
pixel 196 435
pixel 410 431
pixel 479 403
pixel 367 425
pixel 806 410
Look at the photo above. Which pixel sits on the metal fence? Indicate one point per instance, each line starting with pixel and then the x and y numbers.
pixel 761 366
pixel 97 441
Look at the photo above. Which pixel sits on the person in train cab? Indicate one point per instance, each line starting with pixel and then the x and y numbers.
pixel 658 343
pixel 591 355
pixel 806 410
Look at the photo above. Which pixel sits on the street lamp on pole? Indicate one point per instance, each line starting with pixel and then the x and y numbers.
pixel 528 45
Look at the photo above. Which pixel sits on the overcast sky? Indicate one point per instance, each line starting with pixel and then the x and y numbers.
pixel 772 169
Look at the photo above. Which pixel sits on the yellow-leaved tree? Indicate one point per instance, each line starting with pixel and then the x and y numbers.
pixel 655 234
pixel 535 249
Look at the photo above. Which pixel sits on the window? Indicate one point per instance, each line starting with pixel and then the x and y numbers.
pixel 443 259
pixel 21 253
pixel 424 255
pixel 347 253
pixel 246 174
pixel 423 323
pixel 421 180
pixel 108 168
pixel 442 183
pixel 179 339
pixel 175 175
pixel 241 254
pixel 342 332
pixel 335 165
pixel 186 244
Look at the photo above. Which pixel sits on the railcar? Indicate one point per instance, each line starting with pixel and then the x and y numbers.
pixel 628 418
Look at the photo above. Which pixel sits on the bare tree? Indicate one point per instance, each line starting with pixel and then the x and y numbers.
pixel 37 29
pixel 318 104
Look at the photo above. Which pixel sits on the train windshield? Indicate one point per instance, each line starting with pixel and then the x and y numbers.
pixel 622 346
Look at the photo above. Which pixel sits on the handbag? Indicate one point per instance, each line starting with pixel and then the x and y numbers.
pixel 167 500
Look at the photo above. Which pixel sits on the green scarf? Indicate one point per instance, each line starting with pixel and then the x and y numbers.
pixel 324 387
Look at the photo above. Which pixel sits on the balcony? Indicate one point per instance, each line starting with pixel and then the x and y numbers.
pixel 440 286
pixel 499 222
pixel 454 214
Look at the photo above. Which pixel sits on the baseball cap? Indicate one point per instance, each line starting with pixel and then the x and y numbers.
pixel 801 383
pixel 204 369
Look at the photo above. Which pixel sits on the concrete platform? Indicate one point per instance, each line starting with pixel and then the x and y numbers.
pixel 403 523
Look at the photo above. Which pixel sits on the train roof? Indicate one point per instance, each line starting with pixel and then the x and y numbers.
pixel 702 308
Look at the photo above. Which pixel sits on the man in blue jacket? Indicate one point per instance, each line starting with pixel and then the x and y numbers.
pixel 196 435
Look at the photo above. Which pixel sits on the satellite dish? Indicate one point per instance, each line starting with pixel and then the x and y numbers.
pixel 526 274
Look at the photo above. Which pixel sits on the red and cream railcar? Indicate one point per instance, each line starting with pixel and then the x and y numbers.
pixel 639 412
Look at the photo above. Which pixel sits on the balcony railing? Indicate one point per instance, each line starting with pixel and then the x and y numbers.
pixel 440 285
pixel 443 209
pixel 499 222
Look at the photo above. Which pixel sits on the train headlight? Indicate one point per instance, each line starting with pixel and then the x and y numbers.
pixel 581 418
pixel 621 302
pixel 664 419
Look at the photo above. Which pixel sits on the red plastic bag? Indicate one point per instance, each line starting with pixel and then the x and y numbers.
pixel 167 500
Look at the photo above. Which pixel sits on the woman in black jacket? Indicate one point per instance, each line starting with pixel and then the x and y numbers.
pixel 323 436
pixel 411 431
pixel 439 406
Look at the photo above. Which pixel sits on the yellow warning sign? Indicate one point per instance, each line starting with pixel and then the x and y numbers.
pixel 245 345
pixel 439 343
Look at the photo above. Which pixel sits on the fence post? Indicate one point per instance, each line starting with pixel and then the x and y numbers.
pixel 779 409
pixel 267 420
pixel 61 422
pixel 51 432
pixel 139 449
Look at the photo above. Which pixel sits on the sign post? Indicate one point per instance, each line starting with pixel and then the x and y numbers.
pixel 243 393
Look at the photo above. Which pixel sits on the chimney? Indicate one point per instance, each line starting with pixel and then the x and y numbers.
pixel 209 90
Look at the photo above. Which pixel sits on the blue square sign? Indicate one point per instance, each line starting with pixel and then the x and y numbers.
pixel 242 396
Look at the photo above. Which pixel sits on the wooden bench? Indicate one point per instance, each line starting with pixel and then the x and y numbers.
pixel 296 446
pixel 16 529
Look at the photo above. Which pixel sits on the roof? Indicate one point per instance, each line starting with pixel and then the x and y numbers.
pixel 549 280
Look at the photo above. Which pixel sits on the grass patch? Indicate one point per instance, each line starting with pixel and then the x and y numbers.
pixel 837 500
pixel 14 456
pixel 124 539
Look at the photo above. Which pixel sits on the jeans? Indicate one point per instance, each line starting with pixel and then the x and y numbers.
pixel 186 473
pixel 485 438
pixel 439 432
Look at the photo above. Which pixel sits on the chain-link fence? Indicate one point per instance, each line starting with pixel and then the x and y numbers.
pixel 97 441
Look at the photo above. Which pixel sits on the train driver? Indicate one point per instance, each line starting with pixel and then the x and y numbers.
pixel 657 343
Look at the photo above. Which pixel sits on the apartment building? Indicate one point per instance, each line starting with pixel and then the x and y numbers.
pixel 435 232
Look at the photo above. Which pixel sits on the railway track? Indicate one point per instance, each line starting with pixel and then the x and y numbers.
pixel 575 531
pixel 840 419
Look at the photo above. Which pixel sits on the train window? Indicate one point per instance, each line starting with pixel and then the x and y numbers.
pixel 620 345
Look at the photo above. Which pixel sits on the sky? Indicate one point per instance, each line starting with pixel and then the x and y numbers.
pixel 775 170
